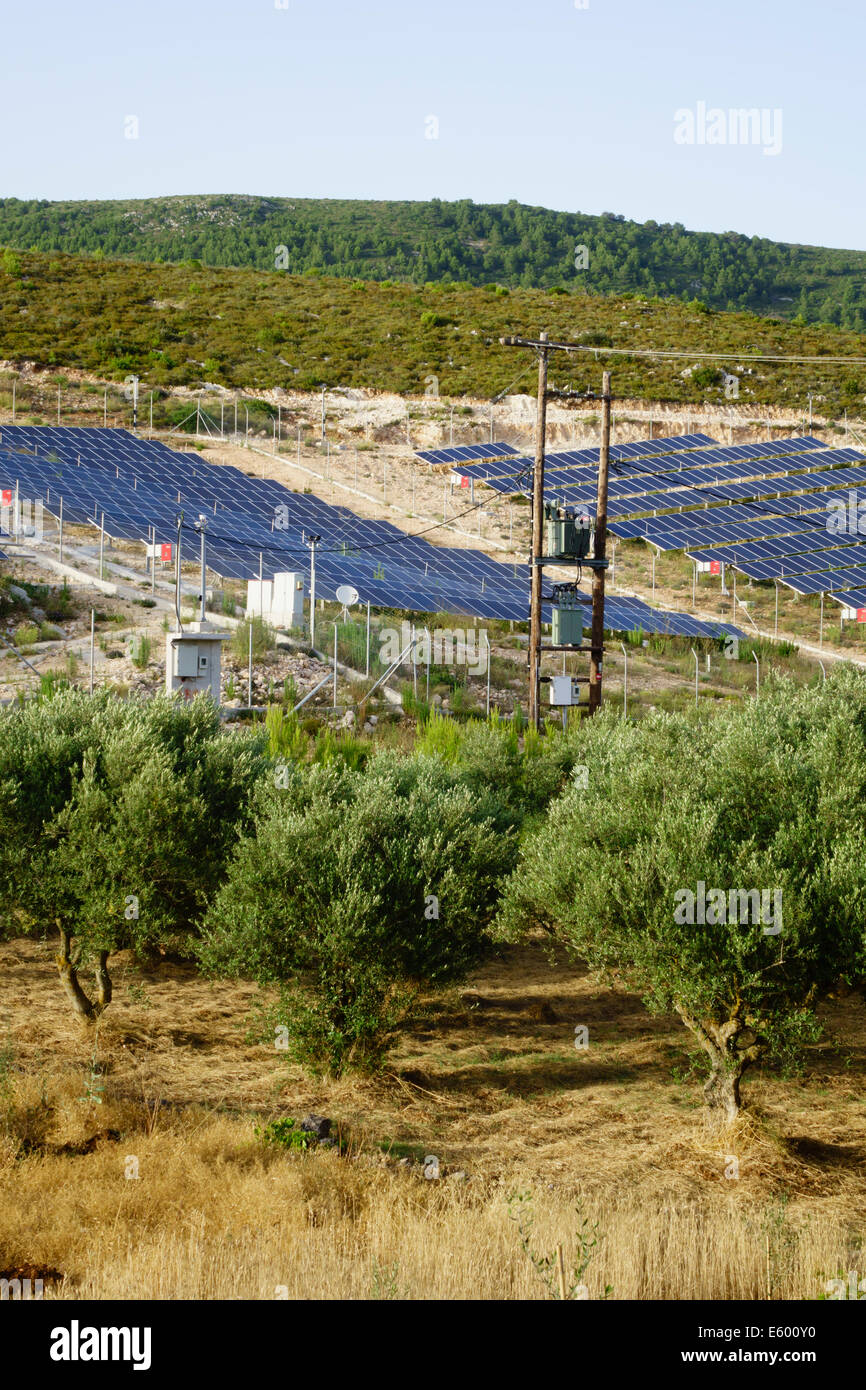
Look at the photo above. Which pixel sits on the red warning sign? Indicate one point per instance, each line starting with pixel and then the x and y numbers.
pixel 6 497
pixel 165 552
pixel 464 481
pixel 861 615
pixel 715 567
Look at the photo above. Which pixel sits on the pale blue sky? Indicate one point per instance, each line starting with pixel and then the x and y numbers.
pixel 542 102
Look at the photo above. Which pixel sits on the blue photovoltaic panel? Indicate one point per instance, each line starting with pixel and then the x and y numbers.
pixel 131 485
pixel 852 598
pixel 465 453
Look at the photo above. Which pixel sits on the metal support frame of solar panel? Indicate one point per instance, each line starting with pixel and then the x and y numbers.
pixel 762 539
pixel 566 468
pixel 623 454
pixel 701 466
pixel 245 564
pixel 851 598
pixel 742 524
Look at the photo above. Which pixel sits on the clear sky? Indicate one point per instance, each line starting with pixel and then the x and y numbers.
pixel 566 107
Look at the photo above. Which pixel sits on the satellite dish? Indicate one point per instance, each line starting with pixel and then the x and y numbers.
pixel 347 595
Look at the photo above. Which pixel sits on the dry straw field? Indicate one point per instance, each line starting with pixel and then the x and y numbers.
pixel 173 1087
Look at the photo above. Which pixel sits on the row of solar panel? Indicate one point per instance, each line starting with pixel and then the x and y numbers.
pixel 257 523
pixel 565 467
pixel 724 484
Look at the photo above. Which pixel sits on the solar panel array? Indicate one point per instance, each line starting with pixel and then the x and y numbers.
pixel 130 485
pixel 765 509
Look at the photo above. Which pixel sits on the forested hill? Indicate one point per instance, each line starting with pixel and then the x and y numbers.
pixel 474 243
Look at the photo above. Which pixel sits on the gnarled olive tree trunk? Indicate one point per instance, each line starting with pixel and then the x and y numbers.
pixel 731 1048
pixel 88 1010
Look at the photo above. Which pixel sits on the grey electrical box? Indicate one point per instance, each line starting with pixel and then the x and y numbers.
pixel 193 661
pixel 564 690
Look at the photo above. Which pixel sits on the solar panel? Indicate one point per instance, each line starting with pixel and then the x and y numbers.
pixel 112 478
pixel 465 453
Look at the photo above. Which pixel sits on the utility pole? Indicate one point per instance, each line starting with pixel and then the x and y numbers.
pixel 597 641
pixel 543 347
pixel 537 550
pixel 314 540
pixel 200 526
pixel 324 389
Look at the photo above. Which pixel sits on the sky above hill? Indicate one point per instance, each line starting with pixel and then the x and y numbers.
pixel 600 105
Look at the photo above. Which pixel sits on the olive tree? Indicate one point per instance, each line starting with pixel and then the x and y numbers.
pixel 356 890
pixel 116 820
pixel 716 863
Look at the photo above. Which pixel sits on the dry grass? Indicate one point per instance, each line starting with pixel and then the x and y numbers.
pixel 491 1084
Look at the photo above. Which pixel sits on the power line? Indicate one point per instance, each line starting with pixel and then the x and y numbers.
pixel 599 351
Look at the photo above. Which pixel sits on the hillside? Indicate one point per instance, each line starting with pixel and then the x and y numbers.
pixel 437 241
pixel 187 325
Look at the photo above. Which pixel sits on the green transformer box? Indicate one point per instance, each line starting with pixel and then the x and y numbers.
pixel 567 622
pixel 568 532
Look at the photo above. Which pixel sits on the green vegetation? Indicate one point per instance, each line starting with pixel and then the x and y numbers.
pixel 355 891
pixel 256 330
pixel 141 650
pixel 764 799
pixel 285 1133
pixel 264 639
pixel 352 880
pixel 115 823
pixel 439 242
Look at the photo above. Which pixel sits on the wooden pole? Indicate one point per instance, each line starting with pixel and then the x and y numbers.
pixel 560 1273
pixel 597 640
pixel 537 535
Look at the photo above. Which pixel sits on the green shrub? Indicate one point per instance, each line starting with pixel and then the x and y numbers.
pixel 141 652
pixel 264 639
pixel 285 1134
pixel 761 796
pixel 356 891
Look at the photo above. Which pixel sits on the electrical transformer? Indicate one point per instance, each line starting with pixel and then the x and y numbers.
pixel 568 532
pixel 567 622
